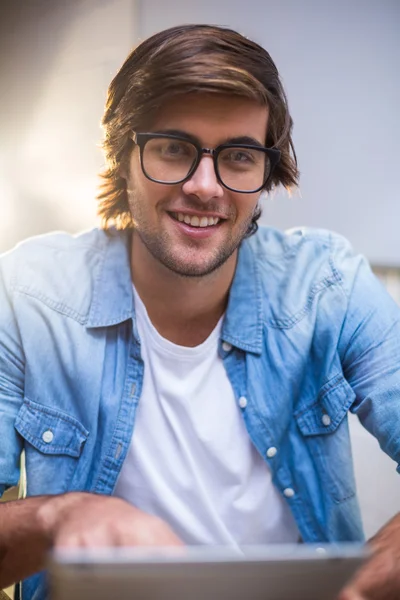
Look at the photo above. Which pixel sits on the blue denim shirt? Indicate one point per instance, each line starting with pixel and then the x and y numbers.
pixel 313 335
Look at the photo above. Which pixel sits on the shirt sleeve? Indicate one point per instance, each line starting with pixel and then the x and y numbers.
pixel 369 348
pixel 12 376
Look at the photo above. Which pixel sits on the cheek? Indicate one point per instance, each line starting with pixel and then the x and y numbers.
pixel 147 190
pixel 138 186
pixel 149 198
pixel 246 205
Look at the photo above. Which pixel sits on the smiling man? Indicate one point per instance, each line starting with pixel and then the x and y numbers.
pixel 188 229
pixel 181 376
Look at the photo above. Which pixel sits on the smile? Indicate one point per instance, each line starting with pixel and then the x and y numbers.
pixel 194 220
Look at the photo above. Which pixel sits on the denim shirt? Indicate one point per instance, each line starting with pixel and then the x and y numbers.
pixel 310 334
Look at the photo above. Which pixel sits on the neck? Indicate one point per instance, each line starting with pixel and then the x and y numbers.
pixel 184 310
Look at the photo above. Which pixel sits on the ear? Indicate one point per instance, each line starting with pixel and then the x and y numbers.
pixel 123 169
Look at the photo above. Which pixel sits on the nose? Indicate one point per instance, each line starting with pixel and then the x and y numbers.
pixel 204 183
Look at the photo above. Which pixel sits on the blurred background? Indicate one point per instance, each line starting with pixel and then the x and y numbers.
pixel 339 62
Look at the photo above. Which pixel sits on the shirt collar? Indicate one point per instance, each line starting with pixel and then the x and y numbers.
pixel 243 320
pixel 112 300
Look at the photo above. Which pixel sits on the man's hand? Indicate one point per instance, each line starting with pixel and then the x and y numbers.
pixel 30 527
pixel 81 519
pixel 379 579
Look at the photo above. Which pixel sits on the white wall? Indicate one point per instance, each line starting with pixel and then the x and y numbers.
pixel 57 59
pixel 340 65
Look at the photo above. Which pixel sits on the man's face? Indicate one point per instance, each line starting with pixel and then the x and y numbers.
pixel 185 248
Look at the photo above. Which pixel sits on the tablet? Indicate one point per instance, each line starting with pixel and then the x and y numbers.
pixel 279 572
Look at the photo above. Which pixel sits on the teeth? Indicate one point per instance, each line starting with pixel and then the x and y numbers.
pixel 195 221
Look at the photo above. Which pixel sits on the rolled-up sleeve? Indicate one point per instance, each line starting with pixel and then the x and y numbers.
pixel 12 369
pixel 370 350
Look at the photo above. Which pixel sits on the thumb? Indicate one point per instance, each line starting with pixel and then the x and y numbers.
pixel 350 593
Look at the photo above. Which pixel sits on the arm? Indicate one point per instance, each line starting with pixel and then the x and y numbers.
pixel 369 348
pixel 370 356
pixel 23 542
pixel 29 528
pixel 380 578
pixel 12 384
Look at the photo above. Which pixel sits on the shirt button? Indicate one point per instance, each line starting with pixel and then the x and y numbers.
pixel 271 452
pixel 288 492
pixel 326 420
pixel 226 347
pixel 48 436
pixel 242 402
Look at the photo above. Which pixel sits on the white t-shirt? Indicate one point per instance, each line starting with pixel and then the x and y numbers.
pixel 191 461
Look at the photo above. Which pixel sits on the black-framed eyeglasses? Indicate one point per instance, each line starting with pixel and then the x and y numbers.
pixel 172 159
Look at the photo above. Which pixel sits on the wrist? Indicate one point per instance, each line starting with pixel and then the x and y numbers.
pixel 51 512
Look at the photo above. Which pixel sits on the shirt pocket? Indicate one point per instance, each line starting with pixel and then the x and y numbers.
pixel 53 444
pixel 325 430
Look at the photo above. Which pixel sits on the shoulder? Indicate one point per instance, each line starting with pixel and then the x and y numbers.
pixel 297 266
pixel 304 250
pixel 51 254
pixel 57 268
pixel 297 242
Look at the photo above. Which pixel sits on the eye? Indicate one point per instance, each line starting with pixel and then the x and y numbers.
pixel 175 149
pixel 241 156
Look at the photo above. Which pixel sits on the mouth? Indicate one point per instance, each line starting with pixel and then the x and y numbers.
pixel 195 220
pixel 196 226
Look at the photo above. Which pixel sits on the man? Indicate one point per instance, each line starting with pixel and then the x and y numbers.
pixel 177 377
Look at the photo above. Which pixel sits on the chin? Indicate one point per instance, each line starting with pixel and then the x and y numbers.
pixel 191 268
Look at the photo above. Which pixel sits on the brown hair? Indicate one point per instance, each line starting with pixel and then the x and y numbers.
pixel 180 60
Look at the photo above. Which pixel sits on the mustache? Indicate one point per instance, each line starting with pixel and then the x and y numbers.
pixel 193 203
pixel 200 206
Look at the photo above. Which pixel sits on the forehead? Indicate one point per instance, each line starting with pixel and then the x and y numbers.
pixel 213 117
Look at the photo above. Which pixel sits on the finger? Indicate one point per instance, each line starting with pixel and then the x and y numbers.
pixel 379 579
pixel 68 540
pixel 351 594
pixel 147 532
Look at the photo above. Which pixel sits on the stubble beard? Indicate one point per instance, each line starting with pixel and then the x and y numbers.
pixel 161 248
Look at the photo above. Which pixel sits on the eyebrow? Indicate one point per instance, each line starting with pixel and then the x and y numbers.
pixel 243 139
